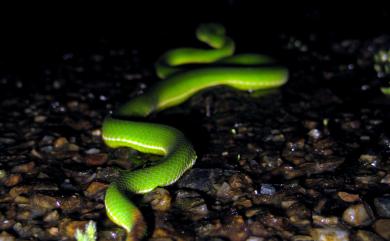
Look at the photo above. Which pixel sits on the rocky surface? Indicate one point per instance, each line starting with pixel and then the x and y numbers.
pixel 310 161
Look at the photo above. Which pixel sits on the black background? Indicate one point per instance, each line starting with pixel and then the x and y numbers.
pixel 40 35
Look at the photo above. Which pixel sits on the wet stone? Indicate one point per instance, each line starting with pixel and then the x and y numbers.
pixel 254 238
pixel 200 179
pixel 315 134
pixel 24 168
pixel 226 193
pixel 301 238
pixel 12 180
pixel 163 234
pixel 4 236
pixel 382 206
pixel 51 217
pixel 299 211
pixel 325 221
pixel 191 204
pixel 27 230
pixel 369 160
pixel 267 189
pixel 3 174
pixel 358 215
pixel 23 215
pixel 6 223
pixel 259 230
pixel 321 166
pixel 386 179
pixel 40 118
pixel 18 190
pixel 92 151
pixel 44 202
pixel 96 159
pixel 329 234
pixel 348 197
pixel 70 204
pixel 21 200
pixel 363 235
pixel 69 227
pixel 159 199
pixel 96 132
pixel 112 235
pixel 381 227
pixel 60 142
pixel 268 162
pixel 53 232
pixel 243 202
pixel 234 229
pixel 95 189
pixel 7 140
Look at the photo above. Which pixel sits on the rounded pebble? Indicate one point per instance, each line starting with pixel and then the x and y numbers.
pixel 382 206
pixel 329 234
pixel 381 227
pixel 358 215
pixel 159 199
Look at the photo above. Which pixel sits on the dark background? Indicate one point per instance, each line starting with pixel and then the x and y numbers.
pixel 32 37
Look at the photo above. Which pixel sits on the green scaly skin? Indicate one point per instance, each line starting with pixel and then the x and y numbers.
pixel 243 72
pixel 385 90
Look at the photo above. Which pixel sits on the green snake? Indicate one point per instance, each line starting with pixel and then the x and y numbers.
pixel 386 90
pixel 217 66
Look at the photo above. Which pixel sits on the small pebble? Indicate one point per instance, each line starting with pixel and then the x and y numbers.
pixel 369 160
pixel 44 202
pixel 96 132
pixel 52 216
pixel 69 228
pixel 73 147
pixel 7 141
pixel 23 215
pixel 159 199
pixel 191 204
pixel 325 221
pixel 3 174
pixel 253 238
pixel 53 231
pixel 60 142
pixel 4 236
pixel 382 206
pixel 40 118
pixel 386 180
pixel 12 180
pixel 71 204
pixel 381 227
pixel 348 197
pixel 267 189
pixel 301 238
pixel 363 235
pixel 315 134
pixel 96 159
pixel 329 234
pixel 94 189
pixel 358 215
pixel 24 168
pixel 92 151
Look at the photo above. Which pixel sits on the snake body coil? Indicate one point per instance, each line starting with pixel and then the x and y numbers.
pixel 243 72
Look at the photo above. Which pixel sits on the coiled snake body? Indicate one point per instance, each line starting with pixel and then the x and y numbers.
pixel 219 67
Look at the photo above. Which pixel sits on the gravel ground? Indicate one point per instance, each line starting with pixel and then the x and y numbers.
pixel 310 161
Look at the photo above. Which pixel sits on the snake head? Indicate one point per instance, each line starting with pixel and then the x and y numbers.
pixel 211 33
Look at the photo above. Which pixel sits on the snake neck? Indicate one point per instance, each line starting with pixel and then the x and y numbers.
pixel 171 62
